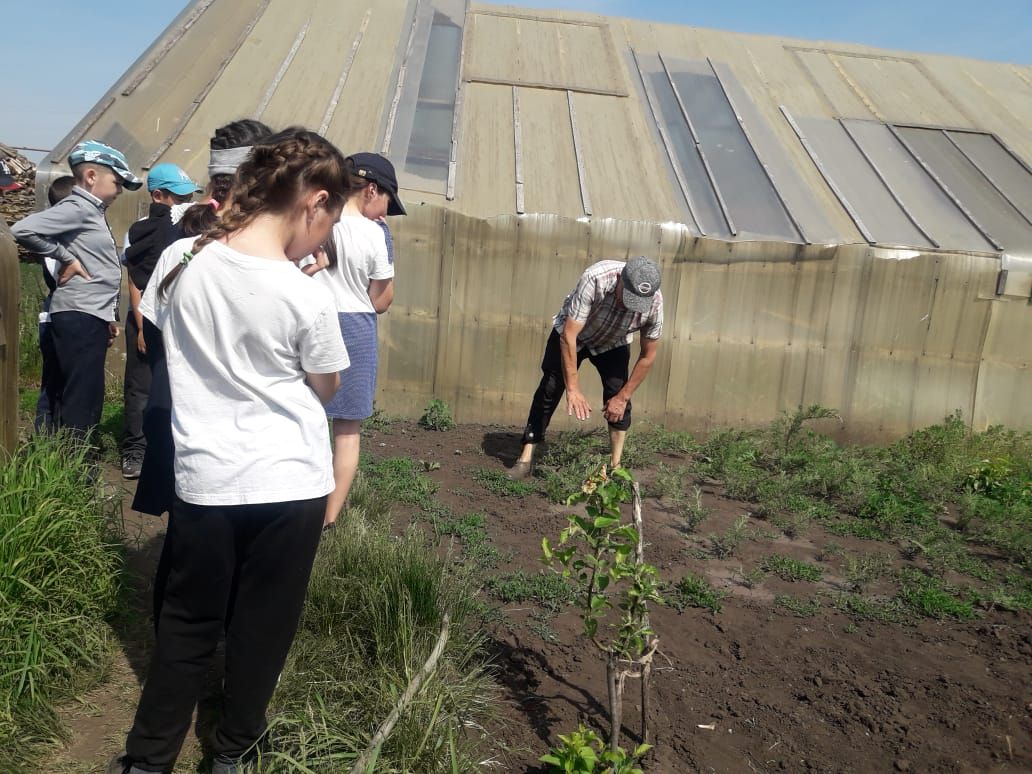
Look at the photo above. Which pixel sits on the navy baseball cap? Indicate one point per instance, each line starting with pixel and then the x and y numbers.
pixel 379 170
pixel 169 177
pixel 93 152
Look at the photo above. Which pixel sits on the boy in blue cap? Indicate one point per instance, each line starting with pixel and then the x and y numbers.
pixel 84 308
pixel 169 187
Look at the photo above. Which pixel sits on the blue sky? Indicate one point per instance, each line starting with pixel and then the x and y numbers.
pixel 57 70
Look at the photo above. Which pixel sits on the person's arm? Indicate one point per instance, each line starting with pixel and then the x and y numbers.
pixel 617 405
pixel 325 386
pixel 135 298
pixel 39 232
pixel 381 293
pixel 576 403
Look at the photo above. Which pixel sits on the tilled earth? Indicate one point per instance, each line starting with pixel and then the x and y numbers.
pixel 752 688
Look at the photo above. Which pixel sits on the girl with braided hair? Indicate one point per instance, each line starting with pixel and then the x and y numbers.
pixel 254 350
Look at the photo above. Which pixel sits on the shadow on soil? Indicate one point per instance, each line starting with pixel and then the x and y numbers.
pixel 504 447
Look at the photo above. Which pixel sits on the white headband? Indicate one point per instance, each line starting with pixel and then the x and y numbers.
pixel 226 161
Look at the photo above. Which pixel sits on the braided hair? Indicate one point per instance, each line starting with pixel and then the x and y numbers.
pixel 277 172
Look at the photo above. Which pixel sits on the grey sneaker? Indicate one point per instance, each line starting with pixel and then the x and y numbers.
pixel 131 468
pixel 521 470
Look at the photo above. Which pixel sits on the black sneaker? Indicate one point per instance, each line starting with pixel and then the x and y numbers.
pixel 131 468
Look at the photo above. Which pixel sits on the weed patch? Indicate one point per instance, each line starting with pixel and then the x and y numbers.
pixel 928 596
pixel 789 569
pixel 497 482
pixel 437 416
pixel 694 591
pixel 800 608
pixel 549 590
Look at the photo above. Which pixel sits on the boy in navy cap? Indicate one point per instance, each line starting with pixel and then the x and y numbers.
pixel 83 311
pixel 170 187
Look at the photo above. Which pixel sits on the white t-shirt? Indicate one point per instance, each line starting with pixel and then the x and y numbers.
pixel 170 256
pixel 239 333
pixel 362 256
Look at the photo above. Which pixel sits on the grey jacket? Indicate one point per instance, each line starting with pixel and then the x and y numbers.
pixel 76 228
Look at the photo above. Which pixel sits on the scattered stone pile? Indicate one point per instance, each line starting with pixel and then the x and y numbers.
pixel 17 185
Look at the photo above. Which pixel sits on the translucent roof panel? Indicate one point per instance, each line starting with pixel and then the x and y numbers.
pixel 1007 173
pixel 918 192
pixel 990 209
pixel 857 183
pixel 750 198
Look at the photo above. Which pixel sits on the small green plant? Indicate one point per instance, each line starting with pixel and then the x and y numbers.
pixel 927 596
pixel 789 569
pixel 437 416
pixel 604 554
pixel 829 551
pixel 469 530
pixel 399 479
pixel 800 608
pixel 692 511
pixel 582 751
pixel 497 482
pixel 724 546
pixel 750 579
pixel 863 570
pixel 867 608
pixel 695 591
pixel 380 421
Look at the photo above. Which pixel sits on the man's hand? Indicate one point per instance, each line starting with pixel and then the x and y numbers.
pixel 577 404
pixel 141 345
pixel 615 408
pixel 112 332
pixel 72 269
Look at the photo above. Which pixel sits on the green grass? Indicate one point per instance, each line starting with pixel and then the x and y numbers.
pixel 375 607
pixel 60 582
pixel 928 596
pixel 549 590
pixel 33 291
pixel 695 591
pixel 498 482
pixel 471 533
pixel 399 479
pixel 800 608
pixel 789 569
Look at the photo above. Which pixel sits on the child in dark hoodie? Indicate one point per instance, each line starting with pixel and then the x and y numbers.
pixel 170 188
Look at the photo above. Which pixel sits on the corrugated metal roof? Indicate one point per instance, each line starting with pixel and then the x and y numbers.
pixel 577 114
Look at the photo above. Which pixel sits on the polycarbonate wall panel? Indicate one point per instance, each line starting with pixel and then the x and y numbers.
pixel 883 219
pixel 920 194
pixel 704 202
pixel 990 209
pixel 430 143
pixel 1009 175
pixel 751 200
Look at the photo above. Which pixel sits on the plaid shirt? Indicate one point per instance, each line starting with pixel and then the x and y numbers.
pixel 607 325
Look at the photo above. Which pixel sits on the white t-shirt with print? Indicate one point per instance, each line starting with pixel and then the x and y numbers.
pixel 362 256
pixel 239 333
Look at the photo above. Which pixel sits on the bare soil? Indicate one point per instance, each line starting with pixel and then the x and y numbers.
pixel 753 688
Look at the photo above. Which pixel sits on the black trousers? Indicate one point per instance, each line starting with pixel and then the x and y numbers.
pixel 49 398
pixel 80 344
pixel 135 392
pixel 155 491
pixel 612 366
pixel 241 569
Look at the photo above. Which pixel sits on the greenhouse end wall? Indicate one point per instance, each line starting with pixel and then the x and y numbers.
pixel 894 340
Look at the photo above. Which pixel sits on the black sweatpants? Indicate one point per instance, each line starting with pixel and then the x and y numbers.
pixel 242 569
pixel 135 392
pixel 611 365
pixel 80 344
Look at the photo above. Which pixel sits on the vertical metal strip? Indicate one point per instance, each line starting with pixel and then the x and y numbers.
pixel 668 146
pixel 393 115
pixel 699 150
pixel 579 155
pixel 945 188
pixel 881 177
pixel 987 176
pixel 460 94
pixel 766 169
pixel 284 66
pixel 517 133
pixel 185 119
pixel 827 177
pixel 196 13
pixel 331 108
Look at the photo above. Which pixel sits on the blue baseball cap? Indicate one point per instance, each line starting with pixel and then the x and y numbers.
pixel 93 152
pixel 169 177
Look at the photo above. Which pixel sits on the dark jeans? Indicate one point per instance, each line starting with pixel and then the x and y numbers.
pixel 48 399
pixel 612 366
pixel 242 569
pixel 80 344
pixel 135 392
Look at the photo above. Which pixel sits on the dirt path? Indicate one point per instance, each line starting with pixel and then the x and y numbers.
pixel 753 688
